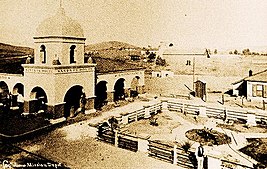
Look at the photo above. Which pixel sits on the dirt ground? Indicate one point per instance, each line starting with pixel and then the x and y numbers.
pixel 165 125
pixel 87 152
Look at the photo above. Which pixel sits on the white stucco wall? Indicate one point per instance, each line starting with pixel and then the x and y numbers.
pixel 59 47
pixel 11 80
pixel 111 78
pixel 57 80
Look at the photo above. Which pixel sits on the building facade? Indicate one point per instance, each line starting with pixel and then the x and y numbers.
pixel 253 87
pixel 60 80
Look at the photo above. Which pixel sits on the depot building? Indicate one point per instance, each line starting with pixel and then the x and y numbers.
pixel 60 79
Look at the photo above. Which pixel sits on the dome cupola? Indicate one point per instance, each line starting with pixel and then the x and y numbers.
pixel 59 25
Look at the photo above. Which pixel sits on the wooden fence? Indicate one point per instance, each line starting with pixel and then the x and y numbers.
pixel 172 154
pixel 106 134
pixel 127 142
pixel 185 159
pixel 236 114
pixel 161 151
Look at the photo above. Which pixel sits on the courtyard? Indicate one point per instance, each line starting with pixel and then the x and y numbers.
pixel 81 150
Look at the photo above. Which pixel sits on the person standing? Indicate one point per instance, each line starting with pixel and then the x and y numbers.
pixel 200 156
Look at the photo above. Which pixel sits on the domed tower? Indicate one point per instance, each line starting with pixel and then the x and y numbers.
pixel 59 38
pixel 59 70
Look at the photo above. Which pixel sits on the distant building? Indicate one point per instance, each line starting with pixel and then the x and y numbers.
pixel 253 87
pixel 162 73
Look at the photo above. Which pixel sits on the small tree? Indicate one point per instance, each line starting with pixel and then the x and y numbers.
pixel 215 51
pixel 235 52
pixel 151 57
pixel 246 52
pixel 160 61
pixel 230 52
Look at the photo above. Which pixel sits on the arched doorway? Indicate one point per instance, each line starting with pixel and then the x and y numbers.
pixel 39 98
pixel 119 90
pixel 17 95
pixel 101 94
pixel 18 89
pixel 73 100
pixel 134 86
pixel 4 95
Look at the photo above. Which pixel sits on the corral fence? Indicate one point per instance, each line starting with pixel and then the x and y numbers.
pixel 225 113
pixel 172 153
pixel 128 142
pixel 106 134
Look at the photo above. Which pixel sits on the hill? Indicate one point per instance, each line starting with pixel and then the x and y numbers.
pixel 110 45
pixel 7 51
pixel 113 49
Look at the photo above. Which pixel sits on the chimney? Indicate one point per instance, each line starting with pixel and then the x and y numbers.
pixel 250 73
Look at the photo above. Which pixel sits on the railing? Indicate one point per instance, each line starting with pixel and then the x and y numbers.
pixel 161 151
pixel 127 142
pixel 234 114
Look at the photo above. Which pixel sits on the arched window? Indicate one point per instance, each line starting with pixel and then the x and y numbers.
pixel 43 53
pixel 72 48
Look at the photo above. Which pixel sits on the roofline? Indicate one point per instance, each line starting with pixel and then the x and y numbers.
pixel 115 71
pixel 59 37
pixel 256 81
pixel 244 79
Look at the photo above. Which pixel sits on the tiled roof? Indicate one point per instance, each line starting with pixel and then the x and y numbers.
pixel 105 65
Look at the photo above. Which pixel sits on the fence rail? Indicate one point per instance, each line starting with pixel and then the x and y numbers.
pixel 160 151
pixel 167 152
pixel 232 114
pixel 127 143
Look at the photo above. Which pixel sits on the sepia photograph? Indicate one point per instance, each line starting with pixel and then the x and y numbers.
pixel 133 84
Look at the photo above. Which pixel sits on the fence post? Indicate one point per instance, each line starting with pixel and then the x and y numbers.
pixel 124 119
pixel 251 119
pixel 202 111
pixel 143 145
pixel 175 154
pixel 116 138
pixel 147 113
pixel 214 162
pixel 164 105
pixel 183 108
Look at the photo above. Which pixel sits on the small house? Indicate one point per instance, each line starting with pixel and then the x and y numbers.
pixel 253 87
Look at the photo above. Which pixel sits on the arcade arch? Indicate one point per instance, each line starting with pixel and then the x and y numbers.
pixel 74 99
pixel 119 93
pixel 4 93
pixel 101 94
pixel 18 89
pixel 39 98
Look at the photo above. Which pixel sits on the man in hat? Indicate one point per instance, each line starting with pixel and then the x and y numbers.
pixel 200 156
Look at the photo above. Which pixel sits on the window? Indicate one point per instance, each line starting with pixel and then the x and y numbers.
pixel 265 91
pixel 72 48
pixel 257 90
pixel 43 53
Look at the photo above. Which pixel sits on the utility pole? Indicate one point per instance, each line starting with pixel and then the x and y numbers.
pixel 193 73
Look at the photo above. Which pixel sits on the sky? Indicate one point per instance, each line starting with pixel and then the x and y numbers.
pixel 185 23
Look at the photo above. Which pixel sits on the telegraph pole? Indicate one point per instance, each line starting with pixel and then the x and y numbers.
pixel 193 73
